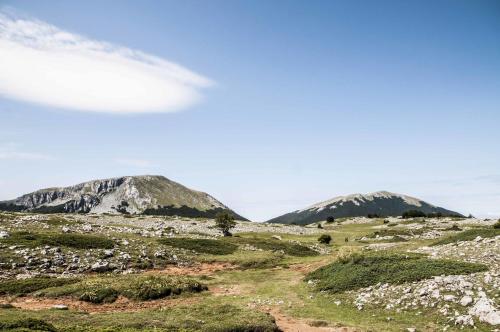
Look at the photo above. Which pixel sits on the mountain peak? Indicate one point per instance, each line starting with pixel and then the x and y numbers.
pixel 141 194
pixel 382 203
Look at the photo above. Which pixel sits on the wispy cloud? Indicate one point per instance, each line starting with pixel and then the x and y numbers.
pixel 43 64
pixel 134 162
pixel 11 151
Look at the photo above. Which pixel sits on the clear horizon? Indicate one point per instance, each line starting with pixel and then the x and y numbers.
pixel 268 107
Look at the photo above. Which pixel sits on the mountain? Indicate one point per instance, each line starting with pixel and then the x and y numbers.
pixel 382 203
pixel 148 194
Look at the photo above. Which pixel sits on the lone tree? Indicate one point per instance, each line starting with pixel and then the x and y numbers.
pixel 225 221
pixel 330 219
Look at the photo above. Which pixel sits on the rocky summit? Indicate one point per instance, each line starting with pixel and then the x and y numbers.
pixel 148 194
pixel 380 203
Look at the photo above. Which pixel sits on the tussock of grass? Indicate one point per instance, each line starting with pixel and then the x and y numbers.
pixel 78 241
pixel 27 324
pixel 203 246
pixel 469 235
pixel 135 287
pixel 26 286
pixel 206 317
pixel 358 271
pixel 288 248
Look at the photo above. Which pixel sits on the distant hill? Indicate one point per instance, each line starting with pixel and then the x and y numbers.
pixel 148 194
pixel 380 203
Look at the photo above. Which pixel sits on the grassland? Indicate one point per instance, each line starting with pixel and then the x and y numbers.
pixel 469 235
pixel 259 277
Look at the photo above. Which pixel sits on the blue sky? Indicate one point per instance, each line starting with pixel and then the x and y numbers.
pixel 278 104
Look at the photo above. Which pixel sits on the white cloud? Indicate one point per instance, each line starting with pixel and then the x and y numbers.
pixel 135 162
pixel 43 64
pixel 10 151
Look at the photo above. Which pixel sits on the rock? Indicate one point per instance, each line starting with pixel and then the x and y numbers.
pixel 60 307
pixel 4 234
pixel 464 320
pixel 276 237
pixel 100 266
pixel 87 228
pixel 485 311
pixel 466 300
pixel 449 298
pixel 411 329
pixel 65 229
pixel 108 253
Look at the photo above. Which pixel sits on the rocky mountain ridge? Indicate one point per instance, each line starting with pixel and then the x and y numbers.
pixel 381 203
pixel 147 194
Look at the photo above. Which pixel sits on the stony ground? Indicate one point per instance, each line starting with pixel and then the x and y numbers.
pixel 265 280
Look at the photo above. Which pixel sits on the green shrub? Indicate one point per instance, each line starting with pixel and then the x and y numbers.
pixel 413 214
pixel 330 219
pixel 98 293
pixel 27 324
pixel 358 271
pixel 30 285
pixel 325 239
pixel 204 246
pixel 78 241
pixel 135 287
pixel 497 225
pixel 292 249
pixel 469 235
pixel 155 287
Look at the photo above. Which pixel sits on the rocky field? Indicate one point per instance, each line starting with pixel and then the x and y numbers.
pixel 168 273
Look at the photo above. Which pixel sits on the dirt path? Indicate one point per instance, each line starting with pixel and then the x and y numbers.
pixel 289 324
pixel 194 270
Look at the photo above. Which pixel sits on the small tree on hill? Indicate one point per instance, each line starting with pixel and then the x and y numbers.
pixel 330 219
pixel 225 222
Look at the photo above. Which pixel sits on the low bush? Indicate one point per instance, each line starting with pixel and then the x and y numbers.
pixel 204 246
pixel 358 271
pixel 78 241
pixel 27 324
pixel 497 225
pixel 413 214
pixel 469 235
pixel 325 239
pixel 30 285
pixel 155 287
pixel 134 287
pixel 289 248
pixel 97 292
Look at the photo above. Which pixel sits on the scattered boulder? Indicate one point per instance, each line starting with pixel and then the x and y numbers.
pixel 466 300
pixel 60 307
pixel 485 311
pixel 101 266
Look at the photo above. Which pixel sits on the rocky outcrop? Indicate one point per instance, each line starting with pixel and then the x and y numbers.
pixel 127 195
